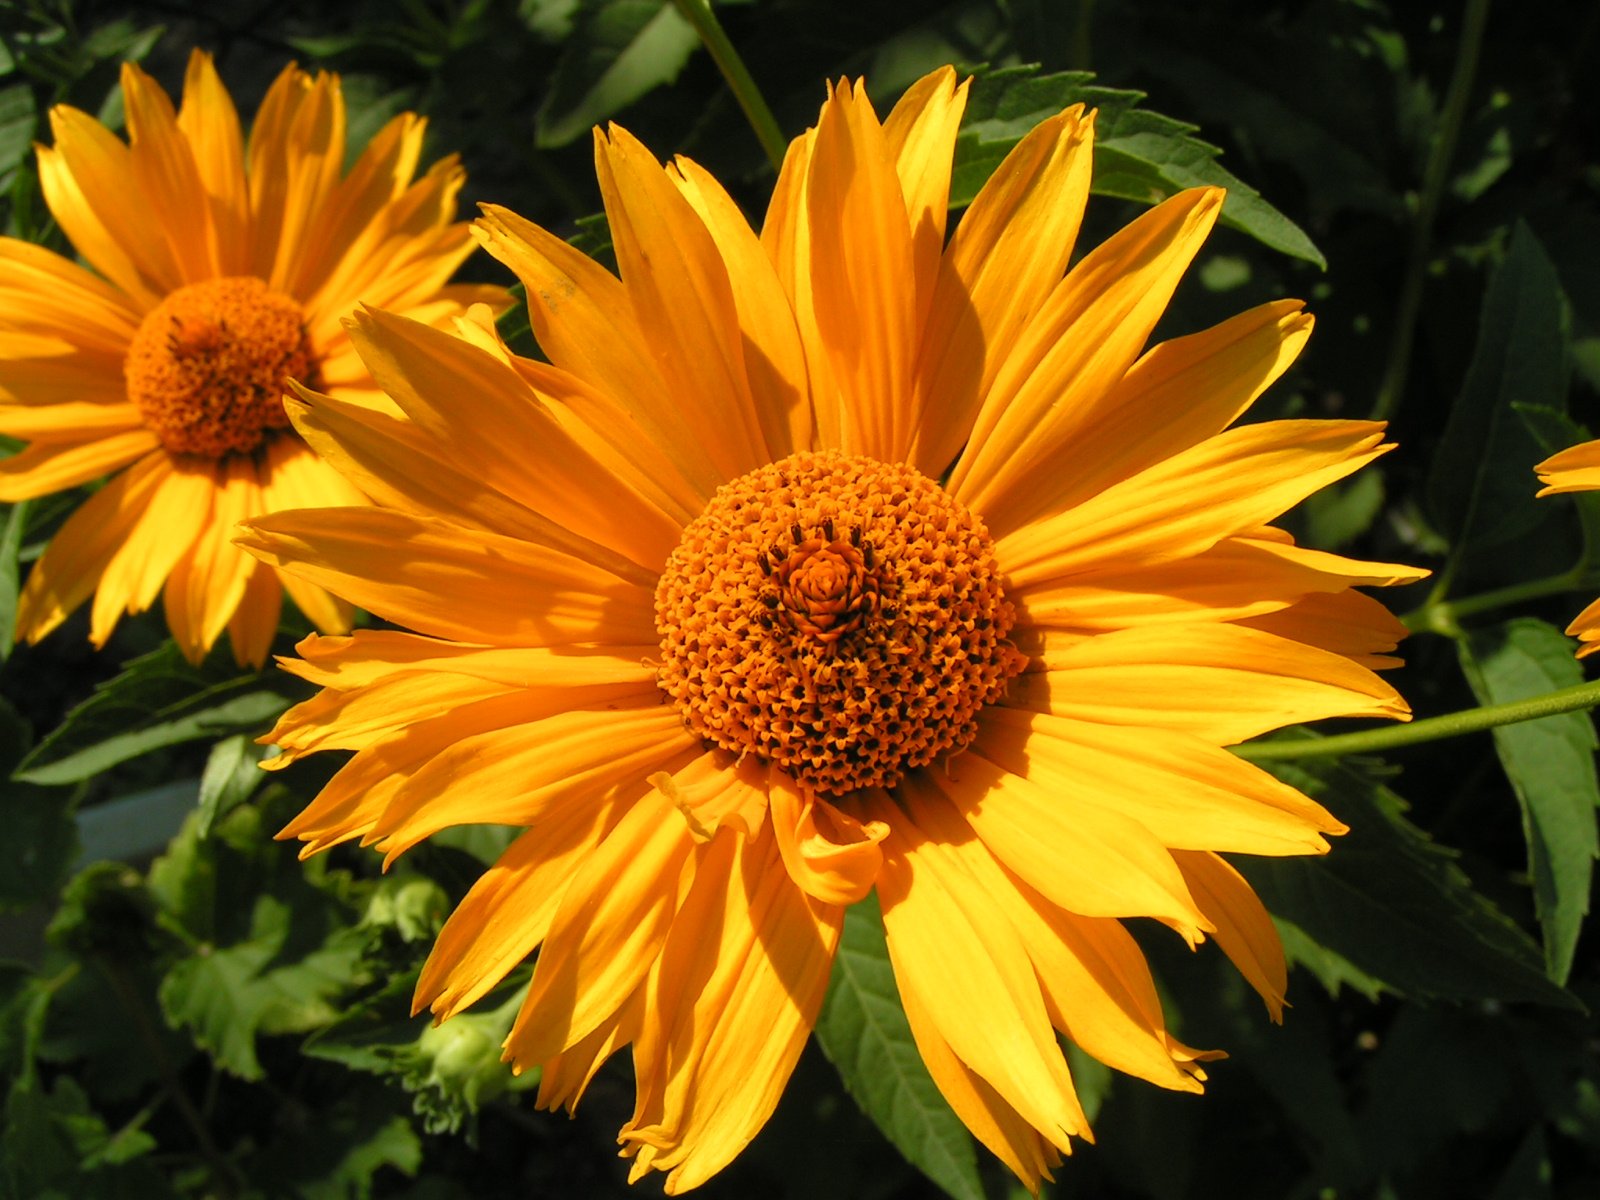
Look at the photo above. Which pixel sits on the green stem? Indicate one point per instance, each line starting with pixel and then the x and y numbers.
pixel 1388 737
pixel 698 13
pixel 1445 616
pixel 1434 177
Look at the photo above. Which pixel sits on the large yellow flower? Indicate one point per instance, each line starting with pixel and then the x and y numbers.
pixel 224 269
pixel 1576 469
pixel 828 560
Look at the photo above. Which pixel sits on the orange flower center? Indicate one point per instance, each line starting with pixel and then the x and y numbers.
pixel 208 365
pixel 838 616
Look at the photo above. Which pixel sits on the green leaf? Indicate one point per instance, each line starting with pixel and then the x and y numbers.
pixel 158 700
pixel 620 50
pixel 1550 763
pixel 232 774
pixel 17 121
pixel 1481 488
pixel 227 997
pixel 1394 904
pixel 1138 154
pixel 41 839
pixel 10 545
pixel 863 1031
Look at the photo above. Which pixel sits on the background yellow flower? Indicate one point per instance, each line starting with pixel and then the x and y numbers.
pixel 220 270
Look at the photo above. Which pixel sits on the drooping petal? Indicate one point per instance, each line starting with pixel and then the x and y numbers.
pixel 741 979
pixel 1243 929
pixel 829 854
pixel 1575 469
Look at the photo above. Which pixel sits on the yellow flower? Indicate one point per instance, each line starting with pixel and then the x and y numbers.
pixel 822 561
pixel 224 269
pixel 1576 469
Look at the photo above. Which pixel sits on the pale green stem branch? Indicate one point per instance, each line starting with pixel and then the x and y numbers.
pixel 1389 737
pixel 699 15
pixel 1445 616
pixel 1434 177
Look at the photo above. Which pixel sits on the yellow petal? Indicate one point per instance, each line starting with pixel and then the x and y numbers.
pixel 507 437
pixel 1239 577
pixel 46 467
pixel 43 292
pixel 1089 859
pixel 921 135
pixel 1097 987
pixel 1178 394
pixel 829 854
pixel 1008 252
pixel 1226 485
pixel 70 420
pixel 514 775
pixel 717 789
pixel 1182 791
pixel 1575 469
pixel 208 583
pixel 584 320
pixel 453 582
pixel 294 477
pixel 1221 683
pixel 1077 347
pixel 564 1078
pixel 177 514
pixel 1347 623
pixel 955 954
pixel 608 929
pixel 210 124
pixel 255 622
pixel 862 274
pixel 741 979
pixel 774 358
pixel 73 562
pixel 1244 930
pixel 684 304
pixel 508 910
pixel 165 171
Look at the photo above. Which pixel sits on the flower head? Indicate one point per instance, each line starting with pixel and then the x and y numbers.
pixel 825 560
pixel 221 270
pixel 1576 469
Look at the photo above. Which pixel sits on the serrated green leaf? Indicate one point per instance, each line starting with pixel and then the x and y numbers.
pixel 1138 155
pixel 158 700
pixel 620 50
pixel 1480 489
pixel 232 775
pixel 1333 971
pixel 228 996
pixel 1393 903
pixel 863 1031
pixel 1550 763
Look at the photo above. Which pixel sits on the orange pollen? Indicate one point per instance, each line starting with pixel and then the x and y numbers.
pixel 837 616
pixel 208 366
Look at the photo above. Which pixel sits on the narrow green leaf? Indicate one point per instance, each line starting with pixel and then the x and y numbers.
pixel 1551 766
pixel 232 774
pixel 1394 904
pixel 1481 488
pixel 158 700
pixel 1138 155
pixel 863 1031
pixel 10 545
pixel 620 50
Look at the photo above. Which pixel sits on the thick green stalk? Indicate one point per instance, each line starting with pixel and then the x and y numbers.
pixel 1434 177
pixel 698 13
pixel 1389 737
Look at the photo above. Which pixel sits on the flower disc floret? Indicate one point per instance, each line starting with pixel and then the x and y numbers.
pixel 208 367
pixel 840 617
